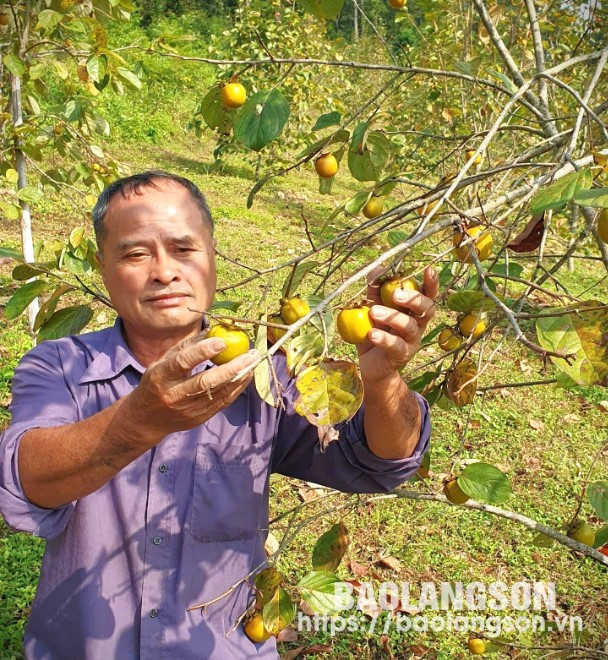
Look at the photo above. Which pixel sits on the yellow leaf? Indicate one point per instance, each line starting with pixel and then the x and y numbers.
pixel 330 392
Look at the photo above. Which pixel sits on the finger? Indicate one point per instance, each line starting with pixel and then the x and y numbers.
pixel 178 363
pixel 430 284
pixel 214 399
pixel 402 324
pixel 373 284
pixel 397 350
pixel 415 303
pixel 211 379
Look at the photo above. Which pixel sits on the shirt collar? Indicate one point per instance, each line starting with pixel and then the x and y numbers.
pixel 115 356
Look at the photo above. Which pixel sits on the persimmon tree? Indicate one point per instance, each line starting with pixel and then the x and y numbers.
pixel 55 62
pixel 486 143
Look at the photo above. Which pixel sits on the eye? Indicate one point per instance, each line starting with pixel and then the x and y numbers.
pixel 135 255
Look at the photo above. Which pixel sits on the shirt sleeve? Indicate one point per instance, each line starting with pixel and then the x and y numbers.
pixel 347 464
pixel 41 399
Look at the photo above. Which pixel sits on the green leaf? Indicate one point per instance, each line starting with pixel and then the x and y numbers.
pixel 24 272
pixel 597 198
pixel 14 64
pixel 396 237
pixel 30 194
pixel 420 382
pixel 601 537
pixel 473 284
pixel 47 308
pixel 469 301
pixel 541 540
pixel 279 612
pixel 128 77
pixel 266 583
pixel 11 253
pixel 24 295
pixel 67 321
pixel 385 187
pixel 230 305
pixel 48 19
pixel 328 119
pixel 430 336
pixel 214 113
pixel 301 349
pixel 97 66
pixel 37 71
pixel 560 192
pixel 261 119
pixel 583 331
pixel 341 135
pixel 368 153
pixel 356 203
pixel 325 185
pixel 507 82
pixel 74 264
pixel 513 269
pixel 319 591
pixel 330 548
pixel 597 494
pixel 328 324
pixel 72 110
pixel 486 483
pixel 296 276
pixel 323 9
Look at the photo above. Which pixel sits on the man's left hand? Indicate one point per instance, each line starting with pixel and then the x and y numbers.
pixel 397 334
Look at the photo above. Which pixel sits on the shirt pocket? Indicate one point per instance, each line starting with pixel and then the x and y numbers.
pixel 228 491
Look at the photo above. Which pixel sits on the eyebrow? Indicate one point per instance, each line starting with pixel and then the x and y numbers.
pixel 185 240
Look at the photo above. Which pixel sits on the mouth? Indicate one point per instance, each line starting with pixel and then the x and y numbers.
pixel 167 299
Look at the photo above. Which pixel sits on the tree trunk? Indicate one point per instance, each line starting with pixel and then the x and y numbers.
pixel 26 218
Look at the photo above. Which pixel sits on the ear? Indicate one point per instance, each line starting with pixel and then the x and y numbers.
pixel 100 264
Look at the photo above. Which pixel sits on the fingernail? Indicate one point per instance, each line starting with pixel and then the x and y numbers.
pixel 376 335
pixel 379 312
pixel 402 295
pixel 217 345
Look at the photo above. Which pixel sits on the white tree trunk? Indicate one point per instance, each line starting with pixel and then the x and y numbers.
pixel 26 218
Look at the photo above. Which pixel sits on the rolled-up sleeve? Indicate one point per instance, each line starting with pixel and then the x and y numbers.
pixel 41 399
pixel 347 464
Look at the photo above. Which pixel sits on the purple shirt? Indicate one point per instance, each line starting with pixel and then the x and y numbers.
pixel 177 526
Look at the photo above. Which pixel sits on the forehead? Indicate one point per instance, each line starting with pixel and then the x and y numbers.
pixel 167 206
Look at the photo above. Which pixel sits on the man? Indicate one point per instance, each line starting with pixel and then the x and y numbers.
pixel 146 467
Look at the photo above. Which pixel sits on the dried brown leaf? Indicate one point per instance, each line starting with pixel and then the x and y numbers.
pixel 531 236
pixel 389 562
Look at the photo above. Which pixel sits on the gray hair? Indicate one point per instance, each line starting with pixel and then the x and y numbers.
pixel 133 185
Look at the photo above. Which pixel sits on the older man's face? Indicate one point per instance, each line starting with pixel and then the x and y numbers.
pixel 157 262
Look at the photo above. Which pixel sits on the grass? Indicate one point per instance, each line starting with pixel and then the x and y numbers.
pixel 547 465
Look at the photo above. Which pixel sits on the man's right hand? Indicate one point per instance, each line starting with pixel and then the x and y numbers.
pixel 169 398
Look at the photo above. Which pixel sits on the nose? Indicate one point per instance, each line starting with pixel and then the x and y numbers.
pixel 166 269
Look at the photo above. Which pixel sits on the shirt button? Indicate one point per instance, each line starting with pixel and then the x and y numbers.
pixel 153 613
pixel 156 540
pixel 163 468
